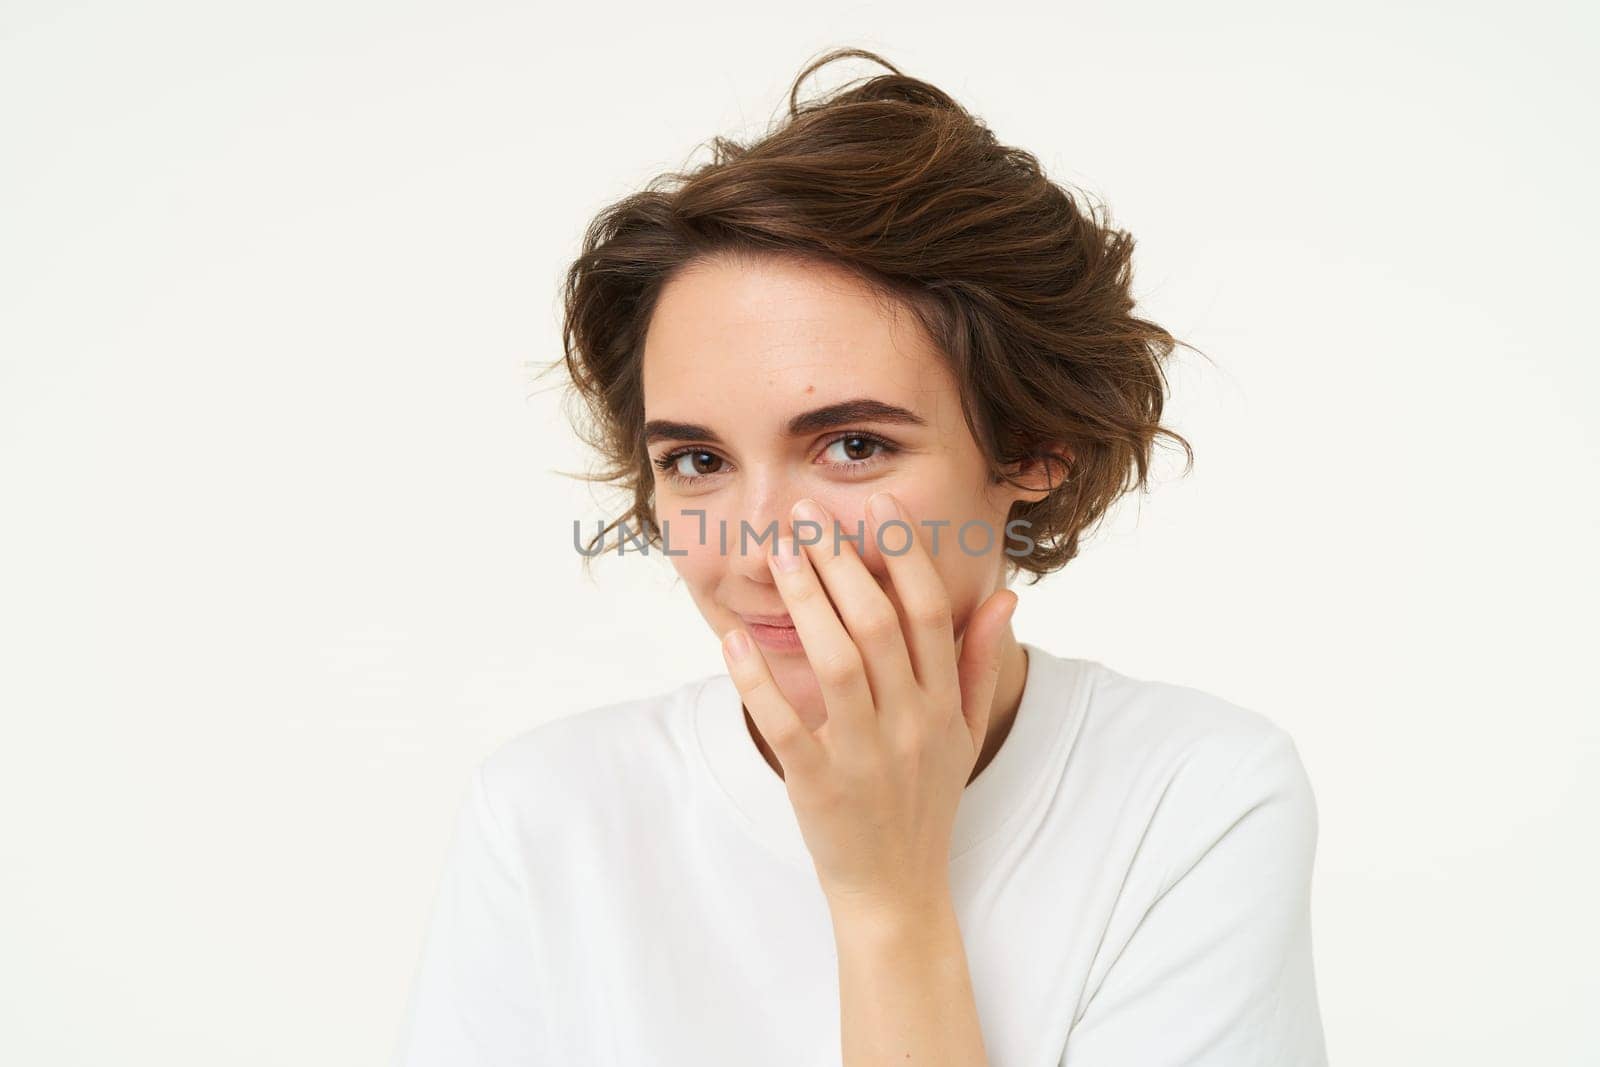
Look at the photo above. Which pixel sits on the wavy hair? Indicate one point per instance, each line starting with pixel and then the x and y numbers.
pixel 1023 285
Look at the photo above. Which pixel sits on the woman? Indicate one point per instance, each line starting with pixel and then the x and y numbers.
pixel 858 376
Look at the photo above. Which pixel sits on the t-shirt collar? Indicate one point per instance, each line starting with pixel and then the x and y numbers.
pixel 1000 795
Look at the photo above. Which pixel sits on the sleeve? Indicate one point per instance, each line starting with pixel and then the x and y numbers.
pixel 1218 972
pixel 473 997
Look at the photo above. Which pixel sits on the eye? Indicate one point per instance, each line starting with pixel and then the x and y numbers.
pixel 849 453
pixel 853 451
pixel 688 464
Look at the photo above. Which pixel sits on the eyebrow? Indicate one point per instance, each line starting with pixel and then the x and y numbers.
pixel 844 413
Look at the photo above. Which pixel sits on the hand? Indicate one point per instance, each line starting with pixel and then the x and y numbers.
pixel 875 789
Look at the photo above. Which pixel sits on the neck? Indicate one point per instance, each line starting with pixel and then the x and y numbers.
pixel 1002 711
pixel 1007 699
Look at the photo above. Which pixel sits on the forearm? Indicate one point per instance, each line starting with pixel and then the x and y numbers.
pixel 904 987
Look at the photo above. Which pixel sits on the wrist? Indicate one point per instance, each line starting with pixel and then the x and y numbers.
pixel 892 915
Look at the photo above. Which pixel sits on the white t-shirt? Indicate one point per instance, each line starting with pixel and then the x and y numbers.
pixel 629 886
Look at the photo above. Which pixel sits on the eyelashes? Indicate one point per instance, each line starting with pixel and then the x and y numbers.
pixel 667 465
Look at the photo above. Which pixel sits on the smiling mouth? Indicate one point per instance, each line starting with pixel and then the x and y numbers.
pixel 775 633
pixel 777 621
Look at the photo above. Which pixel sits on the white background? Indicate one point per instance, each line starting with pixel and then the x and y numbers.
pixel 285 549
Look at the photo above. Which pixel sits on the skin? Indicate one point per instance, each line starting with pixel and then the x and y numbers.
pixel 909 675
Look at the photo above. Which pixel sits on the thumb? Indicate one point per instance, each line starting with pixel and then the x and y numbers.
pixel 979 667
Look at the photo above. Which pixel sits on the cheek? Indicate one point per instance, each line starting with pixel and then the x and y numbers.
pixel 965 576
pixel 921 511
pixel 965 579
pixel 692 538
pixel 700 565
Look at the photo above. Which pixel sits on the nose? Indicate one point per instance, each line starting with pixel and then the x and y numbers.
pixel 762 516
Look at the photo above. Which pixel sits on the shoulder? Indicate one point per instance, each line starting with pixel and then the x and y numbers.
pixel 1188 766
pixel 591 761
pixel 1204 833
pixel 1168 716
pixel 1174 731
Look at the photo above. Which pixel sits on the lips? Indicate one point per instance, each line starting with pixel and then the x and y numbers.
pixel 768 620
pixel 775 633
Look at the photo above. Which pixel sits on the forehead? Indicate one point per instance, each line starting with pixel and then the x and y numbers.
pixel 767 337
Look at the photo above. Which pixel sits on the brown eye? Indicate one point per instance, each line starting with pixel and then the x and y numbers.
pixel 690 464
pixel 853 448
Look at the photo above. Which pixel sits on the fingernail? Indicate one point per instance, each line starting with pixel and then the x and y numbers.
pixel 808 510
pixel 737 644
pixel 785 555
pixel 881 507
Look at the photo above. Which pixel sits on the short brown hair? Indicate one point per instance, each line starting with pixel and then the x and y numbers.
pixel 1024 290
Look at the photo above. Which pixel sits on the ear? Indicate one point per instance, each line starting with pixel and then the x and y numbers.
pixel 1048 466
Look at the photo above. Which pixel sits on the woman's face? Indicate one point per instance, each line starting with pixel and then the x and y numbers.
pixel 746 365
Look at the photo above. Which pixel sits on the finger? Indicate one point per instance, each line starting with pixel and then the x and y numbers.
pixel 980 664
pixel 866 610
pixel 922 593
pixel 794 745
pixel 834 659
